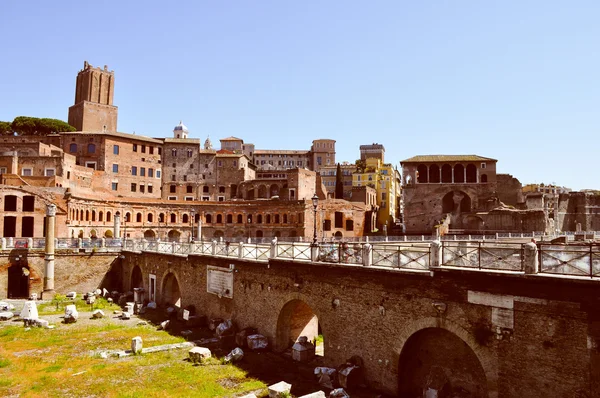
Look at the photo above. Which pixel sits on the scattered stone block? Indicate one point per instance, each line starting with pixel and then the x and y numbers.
pixel 325 376
pixel 29 310
pixel 4 306
pixel 103 355
pixel 151 305
pixel 214 323
pixel 350 376
pixel 137 308
pixel 199 354
pixel 338 393
pixel 91 299
pixel 279 389
pixel 251 395
pixel 42 323
pixel 317 394
pixel 142 323
pixel 117 312
pixel 171 311
pixel 97 314
pixel 164 325
pixel 104 292
pixel 98 292
pixel 303 350
pixel 6 315
pixel 235 355
pixel 129 307
pixel 50 327
pixel 136 345
pixel 71 314
pixel 225 328
pixel 185 315
pixel 125 315
pixel 71 295
pixel 109 300
pixel 257 342
pixel 242 335
pixel 186 333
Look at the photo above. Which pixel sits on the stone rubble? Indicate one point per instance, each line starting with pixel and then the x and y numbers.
pixel 71 314
pixel 339 393
pixel 325 376
pixel 6 315
pixel 164 325
pixel 257 342
pixel 235 355
pixel 280 389
pixel 126 315
pixel 303 350
pixel 71 295
pixel 242 335
pixel 317 394
pixel 29 310
pixel 97 314
pixel 136 345
pixel 4 306
pixel 199 354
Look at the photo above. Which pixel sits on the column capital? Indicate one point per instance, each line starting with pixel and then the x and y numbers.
pixel 51 210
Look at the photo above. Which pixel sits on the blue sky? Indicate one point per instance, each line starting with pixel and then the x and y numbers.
pixel 517 81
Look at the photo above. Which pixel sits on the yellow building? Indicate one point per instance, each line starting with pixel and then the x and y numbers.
pixel 386 180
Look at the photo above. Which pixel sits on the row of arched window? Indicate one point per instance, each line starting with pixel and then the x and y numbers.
pixel 456 174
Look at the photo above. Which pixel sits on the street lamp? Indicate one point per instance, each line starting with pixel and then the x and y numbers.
pixel 248 227
pixel 315 202
pixel 192 220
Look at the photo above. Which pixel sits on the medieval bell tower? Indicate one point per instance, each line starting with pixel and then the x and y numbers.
pixel 94 109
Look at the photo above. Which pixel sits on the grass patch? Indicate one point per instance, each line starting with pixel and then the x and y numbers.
pixel 57 362
pixel 58 306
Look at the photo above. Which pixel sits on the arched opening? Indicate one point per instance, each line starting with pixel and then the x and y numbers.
pixel 459 174
pixel 422 174
pixel 250 194
pixel 208 219
pixel 173 235
pixel 219 219
pixel 93 234
pixel 274 190
pixel 108 216
pixel 259 234
pixel 456 202
pixel 171 294
pixel 471 173
pixel 259 219
pixel 161 217
pixel 149 234
pixel 87 215
pixel 150 217
pixel 268 219
pixel 80 215
pixel 100 216
pixel 138 217
pixel 93 215
pixel 185 219
pixel 136 278
pixel 437 361
pixel 446 173
pixel 218 235
pixel 474 223
pixel 297 319
pixel 262 192
pixel 229 218
pixel 108 234
pixel 339 235
pixel 240 219
pixel 127 217
pixel 173 218
pixel 18 280
pixel 277 218
pixel 434 173
pixel 484 178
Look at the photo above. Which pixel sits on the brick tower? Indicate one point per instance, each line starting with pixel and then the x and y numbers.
pixel 94 109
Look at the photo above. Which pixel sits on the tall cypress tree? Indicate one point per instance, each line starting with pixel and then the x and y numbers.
pixel 339 183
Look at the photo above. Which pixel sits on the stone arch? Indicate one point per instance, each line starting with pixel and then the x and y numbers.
pixel 273 190
pixel 185 218
pixel 422 174
pixel 219 219
pixel 93 234
pixel 149 234
pixel 218 234
pixel 173 217
pixel 100 216
pixel 262 192
pixel 18 280
pixel 296 318
pixel 93 215
pixel 108 234
pixel 136 279
pixel 87 215
pixel 240 219
pixel 229 218
pixel 482 354
pixel 174 235
pixel 434 173
pixel 450 205
pixel 108 216
pixel 471 173
pixel 459 174
pixel 138 217
pixel 171 292
pixel 339 235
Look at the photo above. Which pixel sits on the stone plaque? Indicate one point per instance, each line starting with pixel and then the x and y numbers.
pixel 219 281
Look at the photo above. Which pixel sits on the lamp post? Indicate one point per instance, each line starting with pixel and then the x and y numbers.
pixel 192 220
pixel 200 227
pixel 248 227
pixel 315 203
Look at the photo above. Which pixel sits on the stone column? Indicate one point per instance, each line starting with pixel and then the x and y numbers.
pixel 49 259
pixel 436 253
pixel 530 258
pixel 117 231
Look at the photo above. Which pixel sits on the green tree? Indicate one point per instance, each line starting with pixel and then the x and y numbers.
pixel 26 125
pixel 5 128
pixel 361 165
pixel 339 183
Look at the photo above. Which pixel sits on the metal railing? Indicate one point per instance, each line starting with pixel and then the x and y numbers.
pixel 294 251
pixel 483 255
pixel 575 260
pixel 408 257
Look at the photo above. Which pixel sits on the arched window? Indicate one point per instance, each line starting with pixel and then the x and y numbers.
pixel 276 218
pixel 91 148
pixel 259 219
pixel 208 219
pixel 268 219
pixel 229 218
pixel 93 215
pixel 100 216
pixel 205 189
pixel 249 219
pixel 197 218
pixel 422 174
pixel 87 215
pixel 434 173
pixel 471 173
pixel 219 219
pixel 150 217
pixel 185 219
pixel 108 216
pixel 240 219
pixel 127 217
pixel 161 217
pixel 459 174
pixel 285 218
pixel 173 218
pixel 138 217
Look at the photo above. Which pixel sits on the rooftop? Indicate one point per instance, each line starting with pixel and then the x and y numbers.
pixel 447 158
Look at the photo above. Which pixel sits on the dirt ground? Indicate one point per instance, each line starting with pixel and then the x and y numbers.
pixel 267 366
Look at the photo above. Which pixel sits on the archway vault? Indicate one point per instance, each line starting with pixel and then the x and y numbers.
pixel 297 316
pixel 487 359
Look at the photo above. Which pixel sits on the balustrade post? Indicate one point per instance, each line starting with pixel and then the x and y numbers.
pixel 314 252
pixel 531 263
pixel 30 243
pixel 367 254
pixel 103 242
pixel 241 250
pixel 3 243
pixel 214 248
pixel 173 247
pixel 436 253
pixel 79 243
pixel 273 253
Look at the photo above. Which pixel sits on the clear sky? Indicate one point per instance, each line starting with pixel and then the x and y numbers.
pixel 517 81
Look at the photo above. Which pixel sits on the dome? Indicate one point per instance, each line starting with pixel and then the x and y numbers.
pixel 207 143
pixel 181 127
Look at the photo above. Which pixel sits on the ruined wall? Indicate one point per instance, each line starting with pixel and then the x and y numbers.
pixel 80 272
pixel 579 207
pixel 505 219
pixel 509 189
pixel 528 335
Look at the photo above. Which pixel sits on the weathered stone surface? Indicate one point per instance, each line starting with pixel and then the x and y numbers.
pixel 4 306
pixel 98 292
pixel 71 314
pixel 214 323
pixel 109 300
pixel 42 323
pixel 129 307
pixel 235 355
pixel 6 315
pixel 126 315
pixel 325 376
pixel 257 342
pixel 97 314
pixel 136 345
pixel 199 354
pixel 279 389
pixel 33 296
pixel 91 299
pixel 225 328
pixel 338 393
pixel 151 305
pixel 303 350
pixel 242 335
pixel 29 310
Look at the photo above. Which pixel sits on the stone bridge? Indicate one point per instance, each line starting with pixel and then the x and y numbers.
pixel 472 330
